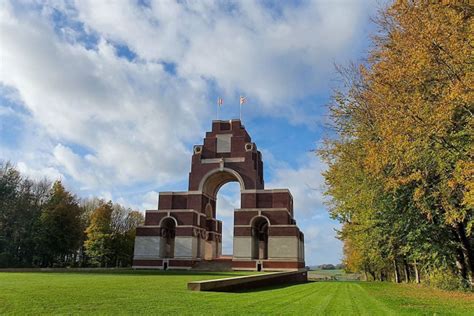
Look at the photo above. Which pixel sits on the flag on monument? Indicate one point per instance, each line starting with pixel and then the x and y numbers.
pixel 243 100
pixel 220 101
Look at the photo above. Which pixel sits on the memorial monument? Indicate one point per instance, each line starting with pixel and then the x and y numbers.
pixel 184 231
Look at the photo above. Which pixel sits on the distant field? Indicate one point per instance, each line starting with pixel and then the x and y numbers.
pixel 337 274
pixel 328 272
pixel 149 292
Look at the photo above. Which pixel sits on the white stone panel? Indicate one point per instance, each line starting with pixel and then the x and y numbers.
pixel 284 247
pixel 195 247
pixel 183 247
pixel 242 247
pixel 219 249
pixel 147 247
pixel 223 143
pixel 202 245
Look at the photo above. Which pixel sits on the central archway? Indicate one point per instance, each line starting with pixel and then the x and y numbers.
pixel 215 179
pixel 219 221
pixel 227 200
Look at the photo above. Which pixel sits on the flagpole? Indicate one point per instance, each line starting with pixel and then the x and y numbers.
pixel 220 101
pixel 240 111
pixel 242 100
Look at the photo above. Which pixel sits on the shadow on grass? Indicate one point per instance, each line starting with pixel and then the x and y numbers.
pixel 262 288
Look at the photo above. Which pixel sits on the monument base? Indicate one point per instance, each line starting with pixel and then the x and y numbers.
pixel 219 264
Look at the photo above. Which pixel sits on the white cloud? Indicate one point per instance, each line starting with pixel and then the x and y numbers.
pixel 39 174
pixel 306 184
pixel 321 245
pixel 150 200
pixel 242 46
pixel 134 120
pixel 76 167
pixel 131 118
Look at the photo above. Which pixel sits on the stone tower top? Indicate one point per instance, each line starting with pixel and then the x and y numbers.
pixel 229 151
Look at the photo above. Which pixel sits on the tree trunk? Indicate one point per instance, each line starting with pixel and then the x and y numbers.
pixel 461 263
pixel 407 270
pixel 74 258
pixel 466 250
pixel 395 270
pixel 417 273
pixel 374 277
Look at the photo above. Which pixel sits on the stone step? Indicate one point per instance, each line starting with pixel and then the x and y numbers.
pixel 250 281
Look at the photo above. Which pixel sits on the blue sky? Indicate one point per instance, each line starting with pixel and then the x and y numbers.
pixel 111 96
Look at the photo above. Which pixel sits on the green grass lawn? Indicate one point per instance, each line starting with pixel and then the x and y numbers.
pixel 165 293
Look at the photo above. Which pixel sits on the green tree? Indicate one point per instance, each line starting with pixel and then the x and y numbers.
pixel 44 225
pixel 124 223
pixel 20 208
pixel 10 181
pixel 59 228
pixel 111 234
pixel 400 171
pixel 99 245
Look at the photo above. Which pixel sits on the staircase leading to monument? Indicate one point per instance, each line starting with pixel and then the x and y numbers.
pixel 218 264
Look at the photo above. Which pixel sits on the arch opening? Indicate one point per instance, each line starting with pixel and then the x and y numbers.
pixel 260 238
pixel 223 186
pixel 168 233
pixel 228 199
pixel 215 179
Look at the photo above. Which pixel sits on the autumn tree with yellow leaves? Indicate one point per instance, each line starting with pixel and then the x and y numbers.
pixel 401 168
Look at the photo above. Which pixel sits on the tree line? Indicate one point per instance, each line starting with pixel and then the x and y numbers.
pixel 329 266
pixel 44 225
pixel 400 171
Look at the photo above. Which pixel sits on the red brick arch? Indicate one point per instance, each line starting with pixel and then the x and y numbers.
pixel 227 154
pixel 216 178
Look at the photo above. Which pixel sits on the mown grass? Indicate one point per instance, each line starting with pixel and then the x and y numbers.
pixel 165 293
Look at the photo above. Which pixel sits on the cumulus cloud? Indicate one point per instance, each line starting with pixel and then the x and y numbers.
pixel 321 245
pixel 132 119
pixel 274 54
pixel 304 181
pixel 39 174
pixel 306 184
